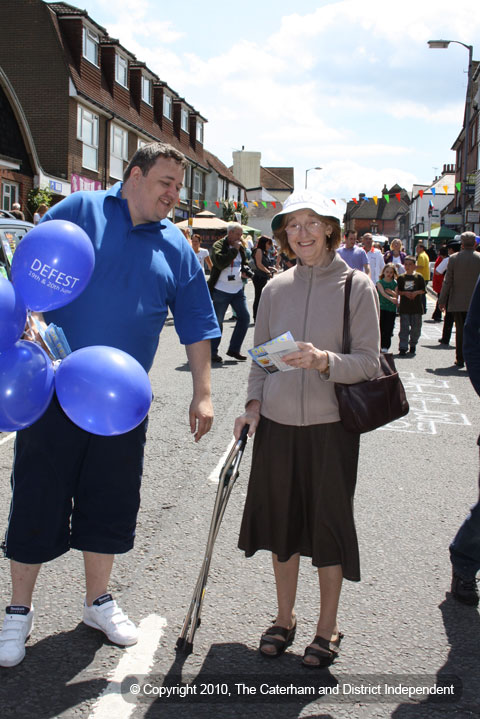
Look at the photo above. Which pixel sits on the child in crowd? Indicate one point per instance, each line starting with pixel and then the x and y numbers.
pixel 411 288
pixel 387 291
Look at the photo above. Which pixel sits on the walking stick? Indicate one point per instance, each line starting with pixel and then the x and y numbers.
pixel 227 479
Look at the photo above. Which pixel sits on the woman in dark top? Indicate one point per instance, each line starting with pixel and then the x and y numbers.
pixel 262 268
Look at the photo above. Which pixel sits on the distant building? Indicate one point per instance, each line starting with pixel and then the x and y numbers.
pixel 388 218
pixel 429 201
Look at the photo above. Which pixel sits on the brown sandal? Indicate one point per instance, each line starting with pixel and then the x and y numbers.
pixel 269 638
pixel 326 655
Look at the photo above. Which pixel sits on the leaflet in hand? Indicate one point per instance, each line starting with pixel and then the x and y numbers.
pixel 54 339
pixel 269 355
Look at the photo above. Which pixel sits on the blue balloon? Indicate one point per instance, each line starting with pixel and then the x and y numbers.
pixel 103 390
pixel 13 315
pixel 52 265
pixel 26 385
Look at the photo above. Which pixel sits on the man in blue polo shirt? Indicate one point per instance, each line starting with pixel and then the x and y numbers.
pixel 73 489
pixel 354 256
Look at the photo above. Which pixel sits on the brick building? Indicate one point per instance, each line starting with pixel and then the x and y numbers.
pixel 389 218
pixel 90 103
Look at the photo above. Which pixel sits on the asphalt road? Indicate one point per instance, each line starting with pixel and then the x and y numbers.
pixel 416 481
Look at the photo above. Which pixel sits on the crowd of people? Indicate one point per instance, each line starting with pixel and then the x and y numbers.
pixel 304 463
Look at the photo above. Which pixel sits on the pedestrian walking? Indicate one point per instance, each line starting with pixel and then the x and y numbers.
pixel 304 465
pixel 262 268
pixel 462 273
pixel 465 548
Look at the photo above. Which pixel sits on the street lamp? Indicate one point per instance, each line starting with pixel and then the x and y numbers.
pixel 441 45
pixel 306 174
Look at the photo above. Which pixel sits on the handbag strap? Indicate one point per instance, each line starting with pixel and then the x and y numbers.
pixel 346 313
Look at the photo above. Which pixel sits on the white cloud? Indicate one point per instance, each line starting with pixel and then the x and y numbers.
pixel 350 85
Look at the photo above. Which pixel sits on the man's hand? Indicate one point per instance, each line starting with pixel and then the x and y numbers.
pixel 201 416
pixel 201 411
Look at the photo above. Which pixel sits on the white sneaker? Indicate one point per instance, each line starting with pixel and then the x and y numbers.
pixel 106 615
pixel 17 626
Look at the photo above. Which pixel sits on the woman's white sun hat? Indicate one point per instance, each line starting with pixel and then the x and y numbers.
pixel 307 200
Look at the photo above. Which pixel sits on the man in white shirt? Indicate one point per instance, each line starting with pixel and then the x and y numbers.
pixel 374 256
pixel 226 287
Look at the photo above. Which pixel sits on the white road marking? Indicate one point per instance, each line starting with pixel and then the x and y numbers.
pixel 136 661
pixel 7 438
pixel 215 473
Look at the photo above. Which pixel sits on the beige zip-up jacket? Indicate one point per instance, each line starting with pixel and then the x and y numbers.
pixel 308 302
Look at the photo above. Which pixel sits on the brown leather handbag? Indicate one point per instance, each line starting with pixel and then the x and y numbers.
pixel 367 405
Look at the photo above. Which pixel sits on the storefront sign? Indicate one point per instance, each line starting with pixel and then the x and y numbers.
pixel 84 183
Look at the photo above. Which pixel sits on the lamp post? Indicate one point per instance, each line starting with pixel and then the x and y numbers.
pixel 306 174
pixel 441 45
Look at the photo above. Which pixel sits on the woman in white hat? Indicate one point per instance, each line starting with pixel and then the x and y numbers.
pixel 304 464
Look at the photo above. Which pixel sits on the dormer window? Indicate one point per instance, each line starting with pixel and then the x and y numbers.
pixel 146 90
pixel 184 119
pixel 167 106
pixel 90 45
pixel 199 133
pixel 121 70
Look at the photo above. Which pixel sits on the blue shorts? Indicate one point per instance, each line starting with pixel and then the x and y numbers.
pixel 73 489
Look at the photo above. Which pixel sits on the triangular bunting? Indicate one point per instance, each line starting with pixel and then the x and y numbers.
pixel 458 185
pixel 205 203
pixel 445 187
pixel 397 195
pixel 354 199
pixel 274 204
pixel 433 191
pixel 255 204
pixel 235 204
pixel 375 199
pixel 217 204
pixel 334 202
pixel 387 198
pixel 245 204
pixel 420 192
pixel 264 204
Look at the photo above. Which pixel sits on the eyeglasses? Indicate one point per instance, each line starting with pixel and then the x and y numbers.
pixel 311 227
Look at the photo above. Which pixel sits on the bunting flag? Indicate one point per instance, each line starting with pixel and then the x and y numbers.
pixel 430 204
pixel 363 199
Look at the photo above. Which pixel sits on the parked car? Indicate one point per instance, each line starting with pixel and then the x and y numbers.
pixel 11 233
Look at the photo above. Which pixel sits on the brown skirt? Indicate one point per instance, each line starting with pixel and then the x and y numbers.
pixel 300 495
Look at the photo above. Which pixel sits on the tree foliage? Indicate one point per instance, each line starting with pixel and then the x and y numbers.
pixel 229 212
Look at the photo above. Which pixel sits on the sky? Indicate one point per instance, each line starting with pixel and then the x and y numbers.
pixel 350 86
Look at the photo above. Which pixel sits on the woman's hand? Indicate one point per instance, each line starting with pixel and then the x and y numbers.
pixel 251 416
pixel 307 357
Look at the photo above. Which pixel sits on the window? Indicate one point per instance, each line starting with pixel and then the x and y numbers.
pixel 90 45
pixel 167 106
pixel 146 90
pixel 141 143
pixel 9 194
pixel 87 132
pixel 187 182
pixel 184 119
pixel 199 131
pixel 197 184
pixel 121 70
pixel 118 151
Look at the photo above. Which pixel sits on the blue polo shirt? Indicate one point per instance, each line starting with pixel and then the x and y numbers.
pixel 139 273
pixel 355 257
